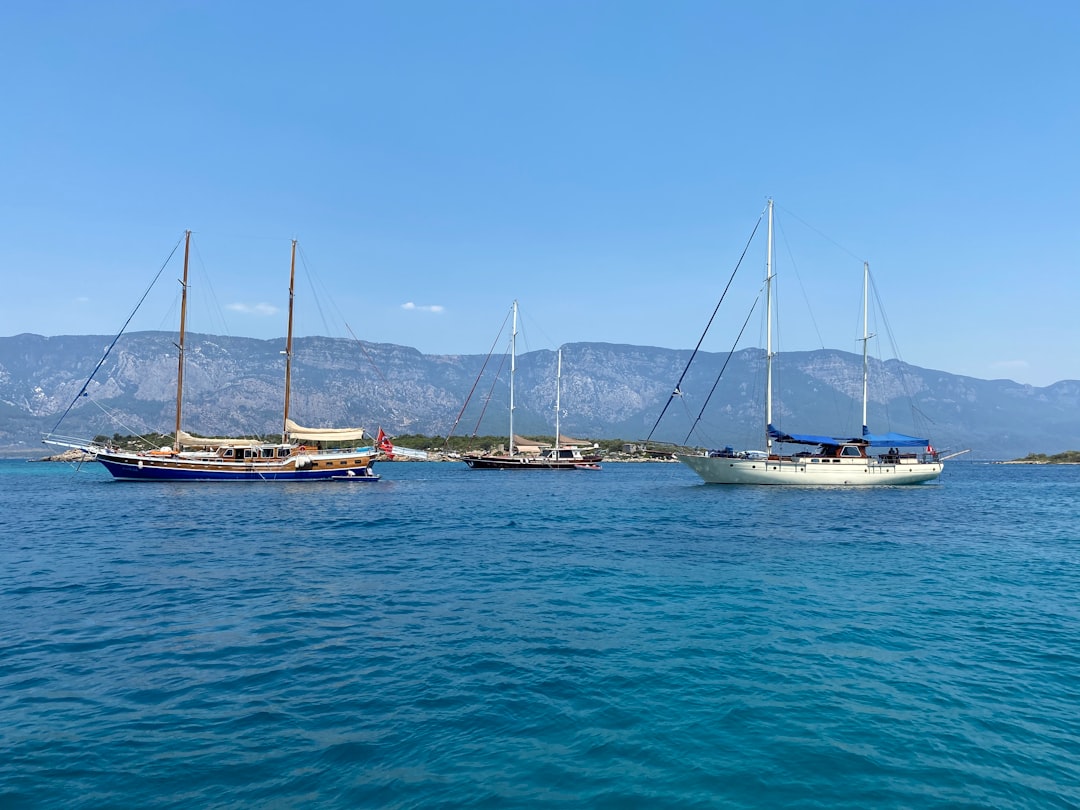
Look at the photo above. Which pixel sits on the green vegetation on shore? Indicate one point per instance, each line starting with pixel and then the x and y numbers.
pixel 414 441
pixel 135 443
pixel 461 444
pixel 1068 457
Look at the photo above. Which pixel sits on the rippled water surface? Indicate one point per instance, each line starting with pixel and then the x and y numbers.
pixel 624 638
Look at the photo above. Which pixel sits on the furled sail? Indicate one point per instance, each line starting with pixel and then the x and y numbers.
pixel 527 446
pixel 304 434
pixel 187 440
pixel 567 441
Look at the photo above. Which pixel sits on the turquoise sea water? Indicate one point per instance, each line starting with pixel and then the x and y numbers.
pixel 624 638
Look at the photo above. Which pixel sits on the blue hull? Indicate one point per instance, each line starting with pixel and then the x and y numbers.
pixel 128 471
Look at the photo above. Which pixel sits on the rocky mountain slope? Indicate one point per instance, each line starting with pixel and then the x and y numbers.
pixel 235 385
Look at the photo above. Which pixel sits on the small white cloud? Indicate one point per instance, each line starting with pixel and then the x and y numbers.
pixel 423 307
pixel 260 310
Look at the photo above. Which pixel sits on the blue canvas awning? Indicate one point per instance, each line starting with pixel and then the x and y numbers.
pixel 893 439
pixel 807 438
pixel 875 439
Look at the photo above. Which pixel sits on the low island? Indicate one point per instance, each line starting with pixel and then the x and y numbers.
pixel 1068 457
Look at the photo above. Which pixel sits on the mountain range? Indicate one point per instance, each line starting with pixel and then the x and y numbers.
pixel 234 385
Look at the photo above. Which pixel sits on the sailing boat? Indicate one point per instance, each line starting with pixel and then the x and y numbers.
pixel 565 455
pixel 301 455
pixel 835 461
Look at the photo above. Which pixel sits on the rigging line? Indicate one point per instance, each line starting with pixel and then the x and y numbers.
pixel 820 233
pixel 798 278
pixel 477 380
pixel 919 411
pixel 686 411
pixel 722 370
pixel 487 400
pixel 112 345
pixel 524 322
pixel 677 391
pixel 216 312
pixel 901 365
pixel 367 354
pixel 312 279
pixel 117 421
pixel 879 310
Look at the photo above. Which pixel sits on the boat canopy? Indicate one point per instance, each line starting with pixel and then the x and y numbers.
pixel 875 439
pixel 893 439
pixel 323 434
pixel 523 445
pixel 566 440
pixel 187 440
pixel 806 438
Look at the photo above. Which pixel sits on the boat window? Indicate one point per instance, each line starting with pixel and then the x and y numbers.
pixel 268 452
pixel 851 450
pixel 227 452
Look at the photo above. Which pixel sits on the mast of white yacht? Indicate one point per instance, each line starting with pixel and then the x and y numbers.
pixel 180 344
pixel 865 341
pixel 513 369
pixel 558 391
pixel 768 332
pixel 288 345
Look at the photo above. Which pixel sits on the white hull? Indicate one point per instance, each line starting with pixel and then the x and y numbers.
pixel 807 472
pixel 838 461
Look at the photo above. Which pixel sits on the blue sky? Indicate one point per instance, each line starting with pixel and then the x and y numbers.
pixel 602 162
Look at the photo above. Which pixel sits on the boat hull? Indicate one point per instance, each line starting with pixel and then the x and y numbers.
pixel 805 472
pixel 481 463
pixel 134 467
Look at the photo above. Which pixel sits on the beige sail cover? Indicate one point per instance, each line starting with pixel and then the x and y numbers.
pixel 527 446
pixel 566 440
pixel 187 440
pixel 304 434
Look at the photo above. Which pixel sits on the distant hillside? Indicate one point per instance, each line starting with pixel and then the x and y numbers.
pixel 235 385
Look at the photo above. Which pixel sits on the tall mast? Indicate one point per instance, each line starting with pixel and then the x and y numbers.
pixel 558 391
pixel 288 345
pixel 180 345
pixel 768 332
pixel 513 368
pixel 865 341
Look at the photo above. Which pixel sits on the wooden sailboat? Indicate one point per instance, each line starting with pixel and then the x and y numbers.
pixel 564 455
pixel 303 454
pixel 835 461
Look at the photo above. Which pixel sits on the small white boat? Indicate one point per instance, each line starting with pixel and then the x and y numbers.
pixel 358 476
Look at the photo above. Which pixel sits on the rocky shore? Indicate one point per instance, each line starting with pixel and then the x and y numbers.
pixel 67 455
